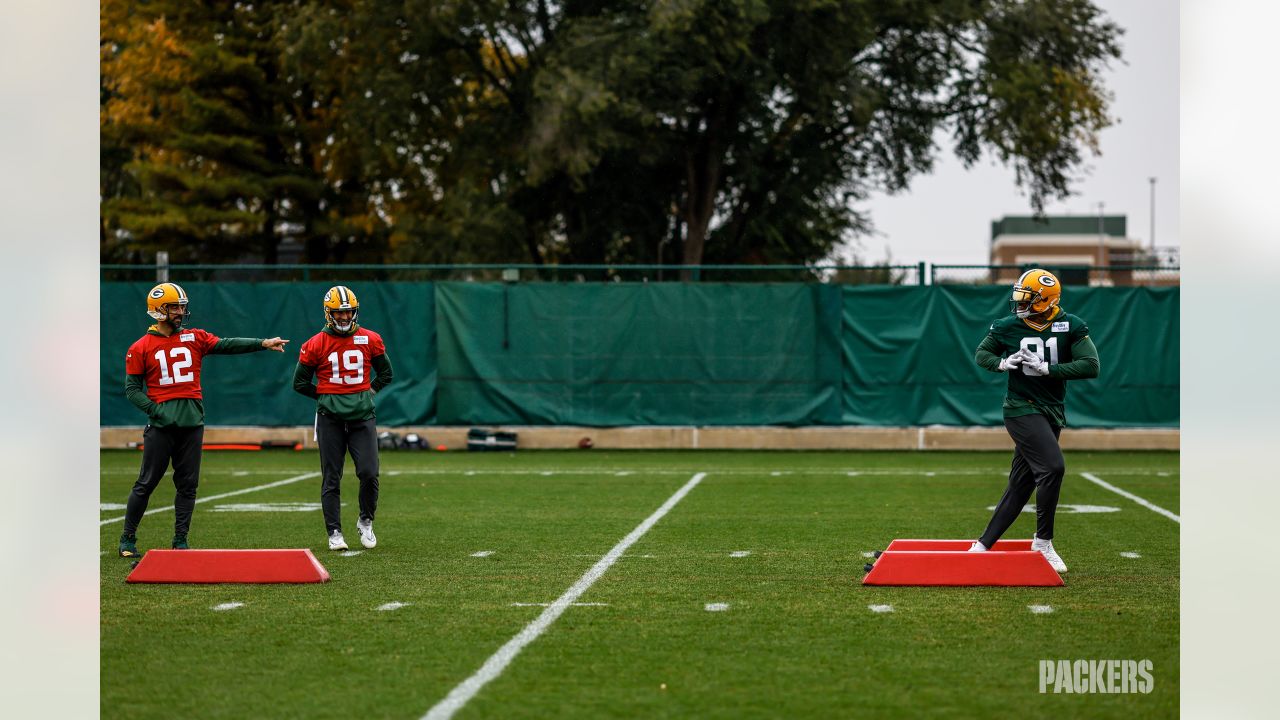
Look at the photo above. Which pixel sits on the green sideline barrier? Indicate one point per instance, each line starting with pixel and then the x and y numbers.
pixel 664 354
pixel 908 356
pixel 257 389
pixel 639 354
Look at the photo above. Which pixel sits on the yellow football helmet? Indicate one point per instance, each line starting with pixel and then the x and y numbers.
pixel 1035 293
pixel 340 297
pixel 164 299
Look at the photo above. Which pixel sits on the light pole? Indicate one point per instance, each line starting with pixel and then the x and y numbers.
pixel 1152 180
pixel 1102 244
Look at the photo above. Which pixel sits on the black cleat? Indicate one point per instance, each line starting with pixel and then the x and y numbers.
pixel 129 546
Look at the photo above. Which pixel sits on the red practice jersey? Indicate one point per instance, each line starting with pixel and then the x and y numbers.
pixel 343 363
pixel 170 366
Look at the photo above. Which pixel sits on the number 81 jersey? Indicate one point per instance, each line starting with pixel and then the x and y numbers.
pixel 1052 344
pixel 170 365
pixel 343 363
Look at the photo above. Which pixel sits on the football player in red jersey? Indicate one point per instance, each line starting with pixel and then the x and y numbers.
pixel 349 365
pixel 162 378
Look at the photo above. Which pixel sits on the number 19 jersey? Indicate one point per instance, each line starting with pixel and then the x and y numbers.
pixel 343 363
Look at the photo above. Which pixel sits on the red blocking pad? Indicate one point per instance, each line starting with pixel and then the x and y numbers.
pixel 228 566
pixel 1010 568
pixel 955 545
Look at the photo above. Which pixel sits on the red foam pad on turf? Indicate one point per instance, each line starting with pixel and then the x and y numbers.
pixel 955 568
pixel 955 545
pixel 228 566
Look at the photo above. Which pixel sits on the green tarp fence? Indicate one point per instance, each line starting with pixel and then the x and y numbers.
pixel 663 353
pixel 908 356
pixel 257 389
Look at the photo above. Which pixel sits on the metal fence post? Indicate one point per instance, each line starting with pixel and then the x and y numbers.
pixel 162 266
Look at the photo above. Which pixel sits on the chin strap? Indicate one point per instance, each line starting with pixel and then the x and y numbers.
pixel 1042 325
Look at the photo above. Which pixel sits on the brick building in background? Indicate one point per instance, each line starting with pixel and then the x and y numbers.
pixel 1081 249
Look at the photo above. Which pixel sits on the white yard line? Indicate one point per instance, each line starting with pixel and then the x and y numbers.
pixel 203 472
pixel 255 488
pixel 493 667
pixel 524 604
pixel 1124 493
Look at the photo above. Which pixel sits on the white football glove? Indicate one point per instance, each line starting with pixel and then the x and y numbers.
pixel 1012 362
pixel 1033 365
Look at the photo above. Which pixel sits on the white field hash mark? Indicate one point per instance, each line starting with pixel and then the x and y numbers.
pixel 482 553
pixel 1124 493
pixel 255 488
pixel 1040 609
pixel 717 607
pixel 493 667
pixel 880 608
pixel 740 553
pixel 227 606
pixel 392 606
pixel 1131 555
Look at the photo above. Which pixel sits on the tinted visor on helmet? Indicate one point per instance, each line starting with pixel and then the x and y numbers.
pixel 1022 300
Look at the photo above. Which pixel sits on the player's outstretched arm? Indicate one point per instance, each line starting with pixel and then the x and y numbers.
pixel 236 346
pixel 302 381
pixel 1084 364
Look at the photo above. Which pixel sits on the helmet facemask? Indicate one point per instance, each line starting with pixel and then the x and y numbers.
pixel 343 328
pixel 1027 303
pixel 173 313
pixel 1023 302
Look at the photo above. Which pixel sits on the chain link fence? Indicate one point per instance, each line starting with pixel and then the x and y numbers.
pixel 829 274
pixel 1108 276
pixel 1148 275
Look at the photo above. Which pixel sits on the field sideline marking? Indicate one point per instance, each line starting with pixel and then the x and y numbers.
pixel 255 488
pixel 670 471
pixel 1148 505
pixel 499 661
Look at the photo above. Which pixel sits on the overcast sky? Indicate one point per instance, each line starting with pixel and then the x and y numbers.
pixel 946 217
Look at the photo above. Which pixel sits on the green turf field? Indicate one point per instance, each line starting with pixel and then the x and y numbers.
pixel 797 639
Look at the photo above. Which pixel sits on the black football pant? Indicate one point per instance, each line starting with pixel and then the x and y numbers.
pixel 160 446
pixel 1037 465
pixel 336 437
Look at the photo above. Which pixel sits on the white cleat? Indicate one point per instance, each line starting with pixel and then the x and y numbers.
pixel 367 538
pixel 977 546
pixel 1045 548
pixel 336 542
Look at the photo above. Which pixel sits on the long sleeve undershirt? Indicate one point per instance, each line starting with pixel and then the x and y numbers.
pixel 1084 365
